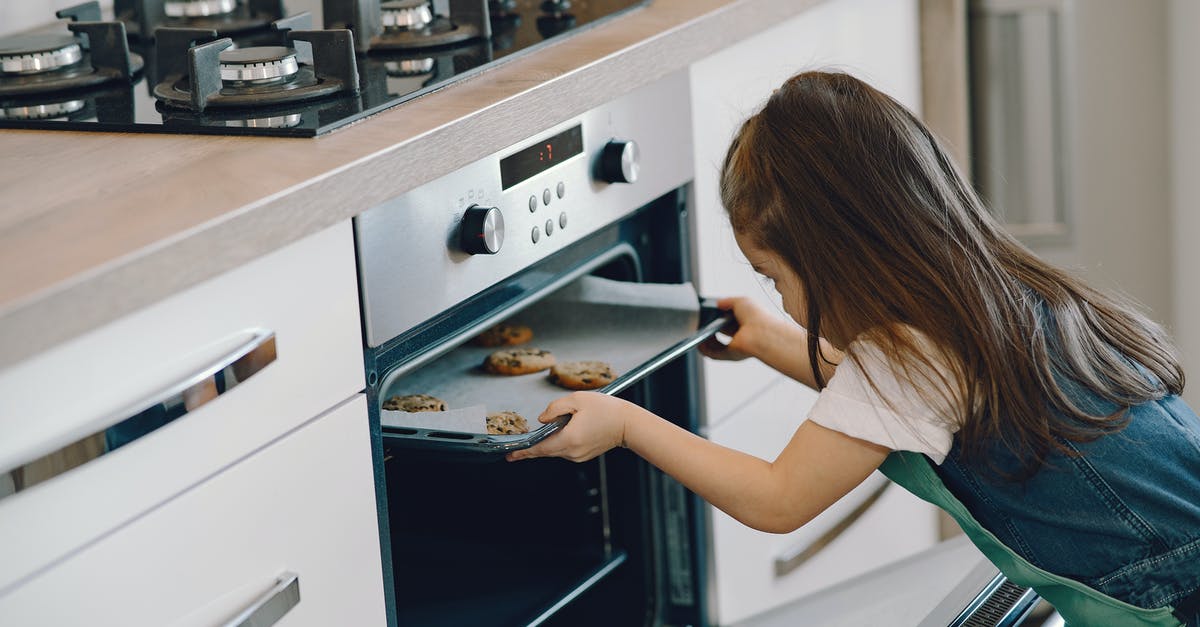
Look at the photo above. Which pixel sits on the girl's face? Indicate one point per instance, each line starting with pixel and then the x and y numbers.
pixel 771 267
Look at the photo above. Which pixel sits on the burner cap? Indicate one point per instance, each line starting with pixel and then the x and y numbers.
pixel 287 120
pixel 198 8
pixel 258 65
pixel 34 54
pixel 406 14
pixel 409 67
pixel 41 111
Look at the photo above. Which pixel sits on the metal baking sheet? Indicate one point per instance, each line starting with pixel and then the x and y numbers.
pixel 635 327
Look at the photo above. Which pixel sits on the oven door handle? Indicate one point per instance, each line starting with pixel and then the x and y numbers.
pixel 712 321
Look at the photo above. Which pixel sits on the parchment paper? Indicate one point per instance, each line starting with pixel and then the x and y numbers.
pixel 592 319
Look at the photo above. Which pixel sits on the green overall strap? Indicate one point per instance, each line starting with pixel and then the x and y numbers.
pixel 1077 603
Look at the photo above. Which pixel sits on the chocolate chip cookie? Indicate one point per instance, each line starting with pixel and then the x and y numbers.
pixel 582 375
pixel 504 334
pixel 514 361
pixel 415 403
pixel 506 423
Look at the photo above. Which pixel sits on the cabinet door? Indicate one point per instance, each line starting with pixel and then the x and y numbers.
pixel 747 405
pixel 756 571
pixel 60 408
pixel 304 506
pixel 875 40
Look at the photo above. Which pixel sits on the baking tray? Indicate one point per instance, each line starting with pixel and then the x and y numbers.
pixel 636 327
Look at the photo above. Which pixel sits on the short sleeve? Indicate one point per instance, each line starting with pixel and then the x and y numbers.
pixel 893 413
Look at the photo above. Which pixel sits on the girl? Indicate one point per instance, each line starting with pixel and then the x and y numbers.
pixel 1043 415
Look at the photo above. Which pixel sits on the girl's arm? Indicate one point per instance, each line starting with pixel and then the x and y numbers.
pixel 776 341
pixel 817 467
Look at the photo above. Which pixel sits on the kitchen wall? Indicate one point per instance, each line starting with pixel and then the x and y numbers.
pixel 1117 143
pixel 1183 72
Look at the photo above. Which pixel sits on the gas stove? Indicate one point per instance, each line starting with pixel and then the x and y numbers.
pixel 242 67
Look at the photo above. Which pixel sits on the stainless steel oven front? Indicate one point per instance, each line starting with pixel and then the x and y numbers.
pixel 468 538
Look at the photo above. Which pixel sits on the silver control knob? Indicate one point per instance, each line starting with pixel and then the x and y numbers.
pixel 482 230
pixel 619 161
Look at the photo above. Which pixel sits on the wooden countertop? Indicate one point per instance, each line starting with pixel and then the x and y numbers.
pixel 94 226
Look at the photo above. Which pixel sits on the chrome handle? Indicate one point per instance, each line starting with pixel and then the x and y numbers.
pixel 153 411
pixel 267 609
pixel 796 556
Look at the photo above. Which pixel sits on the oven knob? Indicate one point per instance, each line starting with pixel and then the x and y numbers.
pixel 619 161
pixel 482 230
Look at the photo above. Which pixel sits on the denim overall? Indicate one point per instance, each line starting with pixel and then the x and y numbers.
pixel 1119 524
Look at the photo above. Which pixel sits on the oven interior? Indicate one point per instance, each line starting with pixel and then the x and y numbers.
pixel 476 540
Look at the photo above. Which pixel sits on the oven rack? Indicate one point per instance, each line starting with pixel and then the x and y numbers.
pixel 487 446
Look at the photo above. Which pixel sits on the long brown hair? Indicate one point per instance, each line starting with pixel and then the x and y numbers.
pixel 854 194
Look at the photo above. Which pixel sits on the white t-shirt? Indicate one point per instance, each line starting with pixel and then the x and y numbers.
pixel 895 416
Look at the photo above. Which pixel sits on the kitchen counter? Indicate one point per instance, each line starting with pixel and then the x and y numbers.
pixel 94 226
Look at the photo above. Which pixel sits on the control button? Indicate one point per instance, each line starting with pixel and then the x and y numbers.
pixel 536 235
pixel 561 190
pixel 482 230
pixel 546 196
pixel 562 220
pixel 533 204
pixel 549 228
pixel 619 161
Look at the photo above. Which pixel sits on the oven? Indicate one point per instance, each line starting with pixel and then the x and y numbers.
pixel 596 202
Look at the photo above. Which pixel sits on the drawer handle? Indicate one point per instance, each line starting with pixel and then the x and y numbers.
pixel 796 556
pixel 153 412
pixel 272 605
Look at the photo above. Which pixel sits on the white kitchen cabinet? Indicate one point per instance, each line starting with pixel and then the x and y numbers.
pixel 305 294
pixel 747 579
pixel 304 506
pixel 747 405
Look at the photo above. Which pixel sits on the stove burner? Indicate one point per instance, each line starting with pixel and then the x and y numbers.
pixel 228 17
pixel 406 14
pixel 263 65
pixel 409 67
pixel 33 66
pixel 409 24
pixel 275 121
pixel 44 111
pixel 198 8
pixel 200 71
pixel 33 54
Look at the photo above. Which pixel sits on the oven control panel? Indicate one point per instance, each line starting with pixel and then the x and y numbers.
pixel 443 242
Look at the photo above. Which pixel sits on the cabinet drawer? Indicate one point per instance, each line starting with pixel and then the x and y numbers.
pixel 303 505
pixel 756 571
pixel 304 294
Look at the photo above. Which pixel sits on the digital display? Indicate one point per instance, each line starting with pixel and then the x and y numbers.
pixel 541 156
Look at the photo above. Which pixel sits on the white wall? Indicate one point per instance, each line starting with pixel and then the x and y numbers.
pixel 20 15
pixel 1183 64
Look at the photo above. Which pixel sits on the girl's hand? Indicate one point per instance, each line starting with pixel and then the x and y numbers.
pixel 753 328
pixel 597 425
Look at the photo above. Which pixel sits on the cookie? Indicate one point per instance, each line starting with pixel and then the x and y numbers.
pixel 415 403
pixel 582 375
pixel 504 335
pixel 506 423
pixel 513 361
